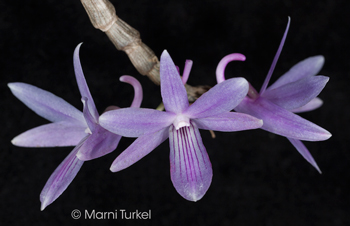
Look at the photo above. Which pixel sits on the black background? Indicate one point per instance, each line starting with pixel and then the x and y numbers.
pixel 259 178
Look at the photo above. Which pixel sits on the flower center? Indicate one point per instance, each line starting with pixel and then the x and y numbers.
pixel 181 121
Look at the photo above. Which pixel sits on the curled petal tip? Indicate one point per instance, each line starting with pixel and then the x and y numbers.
pixel 138 94
pixel 220 70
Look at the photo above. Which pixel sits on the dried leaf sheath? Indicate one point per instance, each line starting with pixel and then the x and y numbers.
pixel 124 37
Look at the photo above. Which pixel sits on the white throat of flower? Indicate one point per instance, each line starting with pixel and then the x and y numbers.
pixel 181 121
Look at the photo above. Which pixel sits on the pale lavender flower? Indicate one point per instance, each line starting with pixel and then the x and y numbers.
pixel 295 91
pixel 69 127
pixel 190 167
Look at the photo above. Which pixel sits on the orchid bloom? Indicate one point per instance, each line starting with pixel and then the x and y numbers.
pixel 295 91
pixel 190 167
pixel 69 127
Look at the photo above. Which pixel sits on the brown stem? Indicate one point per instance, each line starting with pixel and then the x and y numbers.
pixel 124 37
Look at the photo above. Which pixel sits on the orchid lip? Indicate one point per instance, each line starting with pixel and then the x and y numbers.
pixel 181 121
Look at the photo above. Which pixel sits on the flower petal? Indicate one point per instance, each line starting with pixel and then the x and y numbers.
pixel 275 59
pixel 83 87
pixel 297 94
pixel 220 69
pixel 280 121
pixel 139 149
pixel 308 67
pixel 90 120
pixel 172 89
pixel 134 122
pixel 304 152
pixel 223 97
pixel 137 89
pixel 187 70
pixel 51 135
pixel 312 105
pixel 190 167
pixel 101 142
pixel 61 177
pixel 228 122
pixel 45 104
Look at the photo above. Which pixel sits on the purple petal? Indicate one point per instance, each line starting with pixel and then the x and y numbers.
pixel 83 87
pixel 220 69
pixel 312 105
pixel 275 59
pixel 229 122
pixel 190 167
pixel 137 89
pixel 90 120
pixel 139 149
pixel 46 104
pixel 280 121
pixel 101 142
pixel 172 89
pixel 308 67
pixel 223 97
pixel 61 177
pixel 135 122
pixel 187 70
pixel 304 152
pixel 297 94
pixel 51 135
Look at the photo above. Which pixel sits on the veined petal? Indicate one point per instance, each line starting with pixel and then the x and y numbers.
pixel 223 97
pixel 139 149
pixel 296 94
pixel 135 122
pixel 312 105
pixel 61 177
pixel 45 104
pixel 190 167
pixel 101 142
pixel 83 87
pixel 228 122
pixel 308 67
pixel 304 152
pixel 51 135
pixel 280 121
pixel 172 89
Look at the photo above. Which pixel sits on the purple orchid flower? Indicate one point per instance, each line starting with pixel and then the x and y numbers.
pixel 190 167
pixel 69 127
pixel 295 91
